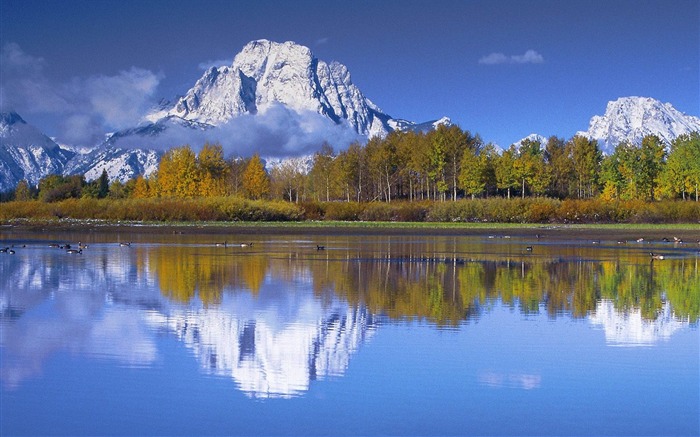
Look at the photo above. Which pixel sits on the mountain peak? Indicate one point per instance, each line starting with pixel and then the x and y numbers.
pixel 267 73
pixel 9 118
pixel 632 118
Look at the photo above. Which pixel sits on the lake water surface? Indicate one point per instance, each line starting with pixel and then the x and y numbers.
pixel 371 335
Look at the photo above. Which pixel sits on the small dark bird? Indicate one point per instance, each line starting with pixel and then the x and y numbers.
pixel 320 247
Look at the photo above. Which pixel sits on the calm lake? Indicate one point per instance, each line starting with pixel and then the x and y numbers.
pixel 169 333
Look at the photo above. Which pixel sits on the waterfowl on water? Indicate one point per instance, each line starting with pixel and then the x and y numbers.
pixel 246 244
pixel 11 252
pixel 224 244
pixel 125 244
pixel 74 251
pixel 529 248
pixel 655 256
pixel 320 247
pixel 4 249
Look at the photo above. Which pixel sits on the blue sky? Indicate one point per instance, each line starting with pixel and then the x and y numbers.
pixel 500 68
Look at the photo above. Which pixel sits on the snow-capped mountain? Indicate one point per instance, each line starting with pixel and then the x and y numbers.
pixel 266 73
pixel 535 138
pixel 632 118
pixel 26 153
pixel 119 163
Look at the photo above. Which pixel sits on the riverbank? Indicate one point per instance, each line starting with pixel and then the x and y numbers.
pixel 689 233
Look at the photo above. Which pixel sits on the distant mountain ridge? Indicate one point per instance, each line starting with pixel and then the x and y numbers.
pixel 633 118
pixel 266 76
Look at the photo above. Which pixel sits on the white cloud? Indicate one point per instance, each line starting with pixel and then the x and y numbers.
pixel 120 100
pixel 494 58
pixel 277 131
pixel 24 83
pixel 88 107
pixel 529 57
pixel 206 65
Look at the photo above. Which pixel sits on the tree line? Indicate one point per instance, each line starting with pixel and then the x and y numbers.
pixel 446 293
pixel 445 164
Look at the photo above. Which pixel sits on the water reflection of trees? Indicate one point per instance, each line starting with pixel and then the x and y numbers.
pixel 445 291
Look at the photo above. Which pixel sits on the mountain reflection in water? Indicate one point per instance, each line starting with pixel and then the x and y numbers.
pixel 275 319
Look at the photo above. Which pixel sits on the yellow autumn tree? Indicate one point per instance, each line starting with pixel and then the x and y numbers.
pixel 141 188
pixel 256 182
pixel 178 173
pixel 214 170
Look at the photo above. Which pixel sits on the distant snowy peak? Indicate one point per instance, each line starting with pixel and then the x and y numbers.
pixel 267 73
pixel 17 132
pixel 535 138
pixel 633 118
pixel 405 125
pixel 26 153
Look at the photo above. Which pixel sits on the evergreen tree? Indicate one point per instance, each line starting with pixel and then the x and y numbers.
pixel 103 185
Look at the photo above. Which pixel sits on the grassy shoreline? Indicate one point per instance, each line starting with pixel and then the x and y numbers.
pixel 690 232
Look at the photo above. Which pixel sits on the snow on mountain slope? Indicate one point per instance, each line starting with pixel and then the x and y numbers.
pixel 26 153
pixel 266 73
pixel 534 138
pixel 632 118
pixel 120 164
